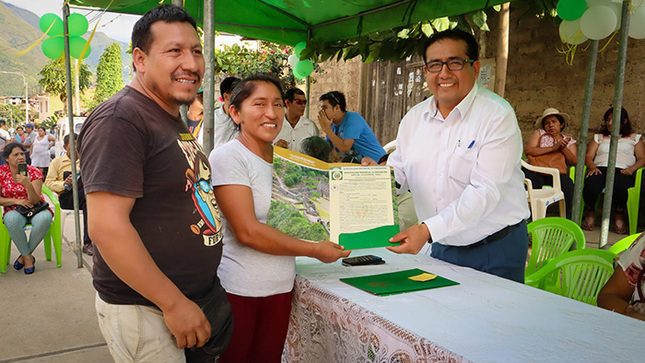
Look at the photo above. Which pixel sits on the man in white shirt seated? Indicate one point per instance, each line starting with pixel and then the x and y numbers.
pixel 296 127
pixel 225 129
pixel 459 154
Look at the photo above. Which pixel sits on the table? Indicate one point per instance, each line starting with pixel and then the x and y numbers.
pixel 484 319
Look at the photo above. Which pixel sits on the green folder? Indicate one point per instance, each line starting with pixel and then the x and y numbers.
pixel 396 282
pixel 372 238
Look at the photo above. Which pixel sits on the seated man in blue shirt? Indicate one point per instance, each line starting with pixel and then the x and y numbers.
pixel 347 130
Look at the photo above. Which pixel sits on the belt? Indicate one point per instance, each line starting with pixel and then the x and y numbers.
pixel 494 237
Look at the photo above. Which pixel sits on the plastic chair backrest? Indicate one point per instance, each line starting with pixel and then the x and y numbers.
pixel 579 275
pixel 552 237
pixel 623 244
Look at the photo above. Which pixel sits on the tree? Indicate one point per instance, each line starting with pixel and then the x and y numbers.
pixel 53 78
pixel 109 78
pixel 271 58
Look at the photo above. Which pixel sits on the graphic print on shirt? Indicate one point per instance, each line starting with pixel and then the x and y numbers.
pixel 198 182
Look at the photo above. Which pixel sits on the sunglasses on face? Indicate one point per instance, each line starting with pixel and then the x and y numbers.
pixel 300 102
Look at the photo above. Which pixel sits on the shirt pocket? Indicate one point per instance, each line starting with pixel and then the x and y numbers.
pixel 462 164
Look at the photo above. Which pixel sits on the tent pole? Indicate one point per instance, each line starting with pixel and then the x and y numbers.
pixel 584 131
pixel 72 141
pixel 209 75
pixel 615 127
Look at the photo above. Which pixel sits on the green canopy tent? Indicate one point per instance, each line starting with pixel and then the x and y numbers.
pixel 291 21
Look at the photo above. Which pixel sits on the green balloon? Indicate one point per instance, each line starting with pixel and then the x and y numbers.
pixel 53 47
pixel 299 48
pixel 570 10
pixel 46 21
pixel 304 67
pixel 78 24
pixel 297 74
pixel 76 45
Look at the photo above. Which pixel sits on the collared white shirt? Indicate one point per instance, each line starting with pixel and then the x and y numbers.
pixel 463 171
pixel 295 135
pixel 225 128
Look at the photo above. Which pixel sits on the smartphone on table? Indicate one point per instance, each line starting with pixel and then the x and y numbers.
pixel 22 169
pixel 363 260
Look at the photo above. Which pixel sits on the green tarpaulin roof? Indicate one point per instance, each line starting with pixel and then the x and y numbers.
pixel 292 21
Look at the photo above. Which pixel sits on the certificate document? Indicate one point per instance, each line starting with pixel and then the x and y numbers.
pixel 314 200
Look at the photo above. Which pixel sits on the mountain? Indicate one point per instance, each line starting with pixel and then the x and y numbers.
pixel 20 29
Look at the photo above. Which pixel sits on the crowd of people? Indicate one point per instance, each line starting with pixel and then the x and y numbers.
pixel 548 147
pixel 182 244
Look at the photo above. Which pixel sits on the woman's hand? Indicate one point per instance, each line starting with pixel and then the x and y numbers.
pixel 628 171
pixel 593 171
pixel 23 202
pixel 22 179
pixel 328 252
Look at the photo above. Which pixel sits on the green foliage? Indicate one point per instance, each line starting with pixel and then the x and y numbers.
pixel 109 78
pixel 9 112
pixel 294 223
pixel 49 121
pixel 53 78
pixel 292 180
pixel 271 58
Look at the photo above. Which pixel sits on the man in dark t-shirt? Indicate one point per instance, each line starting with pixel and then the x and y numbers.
pixel 151 212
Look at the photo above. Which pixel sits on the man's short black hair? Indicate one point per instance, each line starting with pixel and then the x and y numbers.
pixel 2 123
pixel 335 98
pixel 141 35
pixel 291 92
pixel 66 139
pixel 228 84
pixel 472 49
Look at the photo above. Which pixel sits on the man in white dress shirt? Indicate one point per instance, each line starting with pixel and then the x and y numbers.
pixel 459 154
pixel 296 127
pixel 225 129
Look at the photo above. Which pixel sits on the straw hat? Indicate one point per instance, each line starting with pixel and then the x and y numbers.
pixel 549 112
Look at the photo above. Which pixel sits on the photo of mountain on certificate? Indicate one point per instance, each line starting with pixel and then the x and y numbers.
pixel 315 200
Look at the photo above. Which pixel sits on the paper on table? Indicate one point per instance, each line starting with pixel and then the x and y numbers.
pixel 396 282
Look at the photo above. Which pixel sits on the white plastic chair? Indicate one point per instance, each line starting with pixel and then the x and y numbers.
pixel 541 199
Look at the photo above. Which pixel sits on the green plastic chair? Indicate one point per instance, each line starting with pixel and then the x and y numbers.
pixel 578 275
pixel 633 199
pixel 552 237
pixel 53 236
pixel 623 244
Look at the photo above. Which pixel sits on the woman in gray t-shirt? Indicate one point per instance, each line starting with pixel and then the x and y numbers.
pixel 258 266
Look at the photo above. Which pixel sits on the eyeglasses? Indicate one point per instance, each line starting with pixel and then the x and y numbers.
pixel 300 102
pixel 332 95
pixel 454 64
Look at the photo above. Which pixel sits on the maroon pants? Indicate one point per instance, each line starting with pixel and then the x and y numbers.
pixel 259 328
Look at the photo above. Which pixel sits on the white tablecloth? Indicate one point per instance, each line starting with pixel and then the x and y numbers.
pixel 484 319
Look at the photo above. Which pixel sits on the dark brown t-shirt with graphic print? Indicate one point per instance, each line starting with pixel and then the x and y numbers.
pixel 131 147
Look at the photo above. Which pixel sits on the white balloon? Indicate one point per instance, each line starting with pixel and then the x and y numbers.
pixel 293 60
pixel 598 22
pixel 618 11
pixel 637 23
pixel 570 32
pixel 591 3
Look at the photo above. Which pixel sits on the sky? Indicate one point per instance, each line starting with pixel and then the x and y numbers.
pixel 116 26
